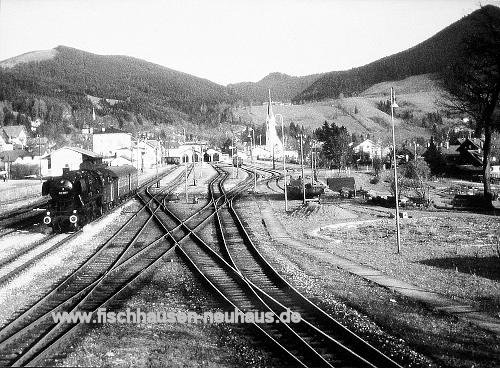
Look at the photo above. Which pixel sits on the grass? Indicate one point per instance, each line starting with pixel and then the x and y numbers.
pixel 427 239
pixel 453 255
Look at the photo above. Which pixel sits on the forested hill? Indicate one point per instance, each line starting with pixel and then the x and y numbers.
pixel 430 56
pixel 145 90
pixel 283 87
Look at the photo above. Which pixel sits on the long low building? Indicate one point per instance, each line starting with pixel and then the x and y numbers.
pixel 67 157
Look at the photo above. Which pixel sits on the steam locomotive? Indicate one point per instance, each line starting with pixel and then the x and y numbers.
pixel 80 196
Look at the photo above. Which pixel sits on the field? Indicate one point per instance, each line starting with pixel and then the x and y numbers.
pixel 359 114
pixel 453 254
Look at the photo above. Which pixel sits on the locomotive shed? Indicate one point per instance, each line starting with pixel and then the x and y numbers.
pixel 176 280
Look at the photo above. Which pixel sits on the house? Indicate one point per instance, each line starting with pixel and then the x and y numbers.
pixel 15 135
pixel 119 161
pixel 466 158
pixel 67 157
pixel 260 152
pixel 146 154
pixel 370 147
pixel 108 140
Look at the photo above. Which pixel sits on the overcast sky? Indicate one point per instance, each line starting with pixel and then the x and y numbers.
pixel 230 41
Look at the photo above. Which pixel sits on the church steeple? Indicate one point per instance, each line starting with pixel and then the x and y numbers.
pixel 273 143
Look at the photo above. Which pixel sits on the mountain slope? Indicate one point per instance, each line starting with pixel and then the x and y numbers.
pixel 283 87
pixel 430 56
pixel 69 75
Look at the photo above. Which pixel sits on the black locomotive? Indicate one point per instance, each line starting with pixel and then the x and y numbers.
pixel 80 196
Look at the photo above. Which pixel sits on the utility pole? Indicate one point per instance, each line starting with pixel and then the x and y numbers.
pixel 194 167
pixel 186 181
pixel 394 105
pixel 312 163
pixel 284 165
pixel 232 153
pixel 237 165
pixel 156 159
pixel 302 169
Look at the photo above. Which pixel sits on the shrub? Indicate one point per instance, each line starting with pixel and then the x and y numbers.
pixel 20 171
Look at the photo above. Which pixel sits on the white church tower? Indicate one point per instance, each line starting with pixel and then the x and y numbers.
pixel 273 143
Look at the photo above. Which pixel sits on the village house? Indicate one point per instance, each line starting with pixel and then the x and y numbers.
pixel 67 157
pixel 146 153
pixel 371 148
pixel 14 135
pixel 107 141
pixel 466 158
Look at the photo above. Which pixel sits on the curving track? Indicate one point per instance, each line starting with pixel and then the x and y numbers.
pixel 134 249
pixel 325 341
pixel 231 266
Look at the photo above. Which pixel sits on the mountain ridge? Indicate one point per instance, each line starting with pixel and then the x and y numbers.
pixel 429 56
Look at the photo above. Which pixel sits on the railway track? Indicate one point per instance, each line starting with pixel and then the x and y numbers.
pixel 22 210
pixel 20 221
pixel 304 344
pixel 112 268
pixel 236 272
pixel 324 341
pixel 9 267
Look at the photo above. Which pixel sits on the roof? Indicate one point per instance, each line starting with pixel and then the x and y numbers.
pixel 13 155
pixel 153 143
pixel 211 151
pixel 366 141
pixel 476 158
pixel 451 150
pixel 172 144
pixel 14 130
pixel 76 149
pixel 110 130
pixel 118 171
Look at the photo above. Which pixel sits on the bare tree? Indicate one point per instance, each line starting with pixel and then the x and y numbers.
pixel 473 80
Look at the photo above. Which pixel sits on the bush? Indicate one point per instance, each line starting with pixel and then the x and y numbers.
pixel 374 180
pixel 20 171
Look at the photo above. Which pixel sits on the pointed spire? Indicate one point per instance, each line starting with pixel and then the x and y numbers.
pixel 269 107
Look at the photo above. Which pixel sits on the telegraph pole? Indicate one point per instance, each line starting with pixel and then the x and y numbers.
pixel 186 181
pixel 232 153
pixel 394 105
pixel 284 167
pixel 302 169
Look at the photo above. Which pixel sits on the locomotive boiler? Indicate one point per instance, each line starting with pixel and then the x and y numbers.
pixel 80 196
